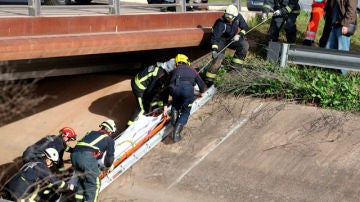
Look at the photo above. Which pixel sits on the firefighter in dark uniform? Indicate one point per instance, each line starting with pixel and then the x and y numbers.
pixel 84 159
pixel 59 142
pixel 285 11
pixel 26 184
pixel 181 88
pixel 147 83
pixel 224 31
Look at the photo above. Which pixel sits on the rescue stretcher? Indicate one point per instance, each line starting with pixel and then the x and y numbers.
pixel 143 135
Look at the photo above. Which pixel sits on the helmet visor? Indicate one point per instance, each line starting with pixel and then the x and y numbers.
pixel 229 16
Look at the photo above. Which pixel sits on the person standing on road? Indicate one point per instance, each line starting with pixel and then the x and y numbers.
pixel 147 83
pixel 34 177
pixel 60 142
pixel 181 88
pixel 341 17
pixel 317 12
pixel 85 157
pixel 226 31
pixel 285 12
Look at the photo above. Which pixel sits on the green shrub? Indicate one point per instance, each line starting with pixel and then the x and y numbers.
pixel 323 87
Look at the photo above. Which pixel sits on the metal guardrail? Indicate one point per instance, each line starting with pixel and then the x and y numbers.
pixel 312 56
pixel 35 7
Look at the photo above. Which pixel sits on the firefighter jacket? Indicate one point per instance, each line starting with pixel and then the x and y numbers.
pixel 185 75
pixel 97 143
pixel 28 181
pixel 290 6
pixel 223 29
pixel 151 78
pixel 35 151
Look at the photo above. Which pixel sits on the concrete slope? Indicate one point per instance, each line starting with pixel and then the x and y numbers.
pixel 234 149
pixel 252 150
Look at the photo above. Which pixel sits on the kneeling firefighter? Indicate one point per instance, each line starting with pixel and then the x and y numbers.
pixel 181 88
pixel 147 83
pixel 225 33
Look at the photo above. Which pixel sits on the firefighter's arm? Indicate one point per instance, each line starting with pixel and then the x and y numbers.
pixel 286 9
pixel 217 32
pixel 242 24
pixel 267 7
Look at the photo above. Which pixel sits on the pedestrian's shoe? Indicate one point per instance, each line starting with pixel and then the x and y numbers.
pixel 177 131
pixel 307 42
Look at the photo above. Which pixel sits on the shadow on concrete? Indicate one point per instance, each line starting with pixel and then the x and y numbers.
pixel 117 106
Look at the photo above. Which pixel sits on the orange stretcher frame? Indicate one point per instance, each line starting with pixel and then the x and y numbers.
pixel 138 145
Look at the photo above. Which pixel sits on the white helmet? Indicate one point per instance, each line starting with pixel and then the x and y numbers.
pixel 169 65
pixel 52 154
pixel 231 12
pixel 108 125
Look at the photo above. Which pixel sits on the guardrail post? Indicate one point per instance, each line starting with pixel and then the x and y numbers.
pixel 181 6
pixel 114 7
pixel 34 7
pixel 284 54
pixel 237 3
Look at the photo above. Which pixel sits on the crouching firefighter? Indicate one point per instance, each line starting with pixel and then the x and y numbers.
pixel 84 159
pixel 60 142
pixel 34 177
pixel 148 83
pixel 181 88
pixel 225 33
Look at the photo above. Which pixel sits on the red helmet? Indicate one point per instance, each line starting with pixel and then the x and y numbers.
pixel 68 132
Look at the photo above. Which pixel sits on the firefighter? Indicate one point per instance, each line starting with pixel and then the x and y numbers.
pixel 224 31
pixel 181 88
pixel 147 83
pixel 84 159
pixel 285 12
pixel 60 142
pixel 26 184
pixel 317 12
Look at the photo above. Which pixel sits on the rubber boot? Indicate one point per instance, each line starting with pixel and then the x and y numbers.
pixel 209 82
pixel 177 131
pixel 174 116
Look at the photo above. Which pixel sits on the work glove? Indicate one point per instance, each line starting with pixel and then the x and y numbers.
pixel 277 13
pixel 281 12
pixel 71 187
pixel 214 54
pixel 264 16
pixel 107 170
pixel 236 37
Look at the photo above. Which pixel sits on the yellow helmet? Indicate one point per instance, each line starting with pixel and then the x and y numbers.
pixel 181 58
pixel 231 12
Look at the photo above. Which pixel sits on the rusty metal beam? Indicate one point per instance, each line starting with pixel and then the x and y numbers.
pixel 44 37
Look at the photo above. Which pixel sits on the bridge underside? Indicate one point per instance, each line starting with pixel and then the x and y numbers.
pixel 45 37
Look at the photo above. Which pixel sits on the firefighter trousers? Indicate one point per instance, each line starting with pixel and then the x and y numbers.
pixel 277 22
pixel 86 168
